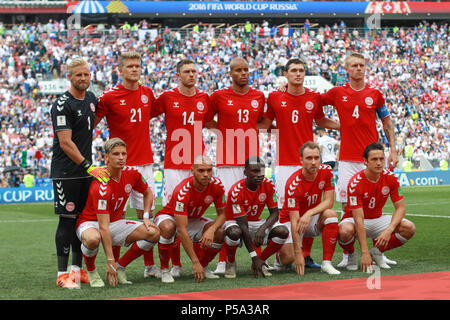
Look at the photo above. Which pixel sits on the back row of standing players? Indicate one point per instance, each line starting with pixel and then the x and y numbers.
pixel 129 106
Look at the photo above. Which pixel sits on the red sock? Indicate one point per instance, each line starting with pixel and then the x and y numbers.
pixel 230 252
pixel 116 252
pixel 198 250
pixel 148 258
pixel 223 253
pixel 165 252
pixel 394 242
pixel 90 262
pixel 348 247
pixel 271 248
pixel 133 253
pixel 329 238
pixel 306 246
pixel 257 250
pixel 208 254
pixel 176 254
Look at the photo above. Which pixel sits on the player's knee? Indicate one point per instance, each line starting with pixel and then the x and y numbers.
pixel 407 229
pixel 346 232
pixel 153 235
pixel 280 232
pixel 234 233
pixel 167 229
pixel 219 235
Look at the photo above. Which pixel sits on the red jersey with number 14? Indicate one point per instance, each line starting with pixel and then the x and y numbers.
pixel 302 194
pixel 184 123
pixel 357 112
pixel 242 201
pixel 372 196
pixel 127 113
pixel 110 198
pixel 187 201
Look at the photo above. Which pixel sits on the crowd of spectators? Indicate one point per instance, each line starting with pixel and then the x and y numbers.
pixel 409 65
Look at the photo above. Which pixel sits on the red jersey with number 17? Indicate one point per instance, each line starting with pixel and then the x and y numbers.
pixel 237 115
pixel 372 196
pixel 242 201
pixel 110 198
pixel 302 194
pixel 184 123
pixel 357 112
pixel 127 113
pixel 188 201
pixel 294 117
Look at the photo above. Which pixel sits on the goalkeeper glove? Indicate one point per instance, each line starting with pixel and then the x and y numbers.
pixel 100 173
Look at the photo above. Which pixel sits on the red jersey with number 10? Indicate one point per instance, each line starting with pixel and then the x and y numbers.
pixel 184 123
pixel 110 198
pixel 242 201
pixel 357 112
pixel 128 115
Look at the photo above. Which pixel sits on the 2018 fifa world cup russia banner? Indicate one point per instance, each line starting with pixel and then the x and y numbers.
pixel 255 7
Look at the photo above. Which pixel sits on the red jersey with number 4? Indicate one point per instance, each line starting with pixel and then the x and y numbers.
pixel 110 198
pixel 371 196
pixel 184 123
pixel 242 201
pixel 357 112
pixel 294 117
pixel 127 113
pixel 237 115
pixel 302 194
pixel 187 201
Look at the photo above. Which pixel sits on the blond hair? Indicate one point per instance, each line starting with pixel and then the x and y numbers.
pixel 112 143
pixel 128 55
pixel 76 63
pixel 354 55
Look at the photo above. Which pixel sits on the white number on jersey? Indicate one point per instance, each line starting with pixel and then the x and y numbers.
pixel 295 116
pixel 188 119
pixel 243 115
pixel 356 112
pixel 136 113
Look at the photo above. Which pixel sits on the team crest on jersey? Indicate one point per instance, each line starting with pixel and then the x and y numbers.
pixel 144 99
pixel 70 206
pixel 200 106
pixel 208 199
pixel 92 107
pixel 262 197
pixel 255 104
pixel 369 101
pixel 309 105
pixel 128 188
pixel 385 190
pixel 321 185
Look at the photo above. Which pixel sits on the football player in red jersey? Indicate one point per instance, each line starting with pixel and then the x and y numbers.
pixel 184 215
pixel 184 108
pixel 294 108
pixel 239 108
pixel 246 200
pixel 368 191
pixel 358 104
pixel 101 219
pixel 306 214
pixel 127 109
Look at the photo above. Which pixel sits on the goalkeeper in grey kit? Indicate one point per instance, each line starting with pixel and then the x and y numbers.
pixel 71 167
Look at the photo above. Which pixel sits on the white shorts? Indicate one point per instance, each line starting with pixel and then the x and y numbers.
pixel 373 227
pixel 230 175
pixel 136 199
pixel 120 230
pixel 346 170
pixel 194 228
pixel 312 230
pixel 253 227
pixel 282 174
pixel 172 177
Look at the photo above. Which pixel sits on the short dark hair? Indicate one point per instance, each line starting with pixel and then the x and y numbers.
pixel 371 147
pixel 253 161
pixel 182 63
pixel 294 61
pixel 310 145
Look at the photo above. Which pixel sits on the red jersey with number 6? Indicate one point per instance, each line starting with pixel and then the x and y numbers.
pixel 110 198
pixel 302 194
pixel 187 201
pixel 127 113
pixel 242 201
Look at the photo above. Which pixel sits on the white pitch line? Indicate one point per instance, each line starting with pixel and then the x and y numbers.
pixel 26 221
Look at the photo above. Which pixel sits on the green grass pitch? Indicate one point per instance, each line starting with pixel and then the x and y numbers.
pixel 28 254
